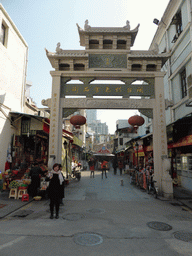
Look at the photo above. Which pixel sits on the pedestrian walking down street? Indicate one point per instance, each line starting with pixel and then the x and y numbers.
pixel 115 165
pixel 104 166
pixel 62 186
pixel 92 166
pixel 56 180
pixel 121 166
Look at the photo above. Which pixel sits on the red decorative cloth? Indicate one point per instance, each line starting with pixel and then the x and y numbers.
pixel 7 166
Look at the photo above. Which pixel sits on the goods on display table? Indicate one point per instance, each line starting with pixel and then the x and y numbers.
pixel 18 181
pixel 15 179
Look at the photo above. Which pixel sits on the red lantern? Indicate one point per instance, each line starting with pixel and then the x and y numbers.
pixel 77 121
pixel 136 121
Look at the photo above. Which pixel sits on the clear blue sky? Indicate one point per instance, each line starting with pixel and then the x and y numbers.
pixel 44 23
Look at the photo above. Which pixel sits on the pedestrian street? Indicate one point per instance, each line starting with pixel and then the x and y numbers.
pixel 99 217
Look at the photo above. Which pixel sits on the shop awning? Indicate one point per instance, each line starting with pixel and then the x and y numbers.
pixel 120 151
pixel 20 115
pixel 147 135
pixel 77 141
pixel 42 124
pixel 103 152
pixel 185 141
pixel 129 147
pixel 179 129
pixel 67 134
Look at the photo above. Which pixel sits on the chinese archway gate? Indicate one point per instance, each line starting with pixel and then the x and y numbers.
pixel 108 56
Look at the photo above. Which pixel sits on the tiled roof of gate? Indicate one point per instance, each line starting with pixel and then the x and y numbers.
pixel 147 54
pixel 109 30
pixel 88 30
pixel 125 29
pixel 70 53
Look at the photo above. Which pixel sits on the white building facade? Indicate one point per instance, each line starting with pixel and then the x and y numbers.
pixel 13 68
pixel 174 36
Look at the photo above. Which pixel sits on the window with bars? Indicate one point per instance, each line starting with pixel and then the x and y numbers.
pixel 25 126
pixel 177 21
pixel 183 83
pixel 179 26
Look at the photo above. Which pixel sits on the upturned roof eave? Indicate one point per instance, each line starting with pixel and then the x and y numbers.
pixel 149 55
pixel 107 30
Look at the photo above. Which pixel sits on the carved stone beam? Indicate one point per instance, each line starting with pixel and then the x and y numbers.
pixel 65 79
pixel 127 81
pixel 87 80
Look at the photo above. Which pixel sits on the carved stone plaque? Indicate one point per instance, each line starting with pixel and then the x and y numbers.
pixel 107 61
pixel 90 90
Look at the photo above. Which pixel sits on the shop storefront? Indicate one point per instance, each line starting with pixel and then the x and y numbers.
pixel 180 154
pixel 29 144
pixel 179 139
pixel 149 156
pixel 139 155
pixel 148 149
pixel 31 139
pixel 77 149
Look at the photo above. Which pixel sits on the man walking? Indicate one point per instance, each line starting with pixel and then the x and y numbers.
pixel 91 166
pixel 104 167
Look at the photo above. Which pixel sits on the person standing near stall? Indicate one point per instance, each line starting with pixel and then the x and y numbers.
pixel 35 174
pixel 56 180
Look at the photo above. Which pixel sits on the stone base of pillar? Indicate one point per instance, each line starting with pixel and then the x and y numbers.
pixel 167 186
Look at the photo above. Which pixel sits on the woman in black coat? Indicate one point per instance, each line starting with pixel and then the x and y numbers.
pixel 54 192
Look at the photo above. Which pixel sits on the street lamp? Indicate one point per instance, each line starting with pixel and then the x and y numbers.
pixel 65 147
pixel 137 148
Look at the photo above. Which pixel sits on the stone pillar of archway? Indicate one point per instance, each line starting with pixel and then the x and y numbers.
pixel 161 166
pixel 55 134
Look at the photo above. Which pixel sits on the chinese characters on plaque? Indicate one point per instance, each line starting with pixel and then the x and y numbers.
pixel 54 123
pixel 162 126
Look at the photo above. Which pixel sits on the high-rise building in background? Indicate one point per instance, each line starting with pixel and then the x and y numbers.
pixel 98 127
pixel 91 115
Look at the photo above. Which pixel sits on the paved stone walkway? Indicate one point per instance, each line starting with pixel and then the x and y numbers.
pixel 99 217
